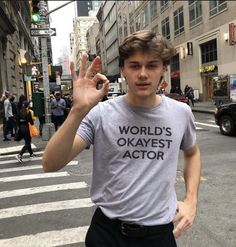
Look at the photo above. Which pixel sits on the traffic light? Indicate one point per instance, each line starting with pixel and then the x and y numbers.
pixel 35 14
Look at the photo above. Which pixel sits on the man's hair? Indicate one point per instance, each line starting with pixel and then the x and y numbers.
pixel 146 41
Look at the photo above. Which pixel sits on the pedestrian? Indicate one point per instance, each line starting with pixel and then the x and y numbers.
pixel 22 98
pixel 15 115
pixel 8 117
pixel 24 119
pixel 189 93
pixel 58 107
pixel 136 139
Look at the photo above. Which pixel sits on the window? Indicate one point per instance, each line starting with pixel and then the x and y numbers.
pixel 179 21
pixel 164 4
pixel 125 26
pixel 131 27
pixel 153 9
pixel 165 28
pixel 217 6
pixel 209 51
pixel 145 18
pixel 195 12
pixel 138 23
pixel 174 63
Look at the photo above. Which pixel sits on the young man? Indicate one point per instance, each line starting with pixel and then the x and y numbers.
pixel 136 140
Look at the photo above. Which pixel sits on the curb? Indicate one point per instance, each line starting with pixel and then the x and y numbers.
pixel 203 111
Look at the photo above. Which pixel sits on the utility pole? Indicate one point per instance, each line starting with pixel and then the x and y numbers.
pixel 48 127
pixel 44 31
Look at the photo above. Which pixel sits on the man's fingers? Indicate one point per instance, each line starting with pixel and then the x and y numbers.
pixel 73 72
pixel 181 227
pixel 99 77
pixel 94 67
pixel 83 65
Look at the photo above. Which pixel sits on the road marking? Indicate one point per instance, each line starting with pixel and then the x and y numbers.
pixel 14 155
pixel 49 239
pixel 45 207
pixel 209 125
pixel 34 176
pixel 16 161
pixel 32 167
pixel 199 128
pixel 211 121
pixel 42 189
pixel 14 149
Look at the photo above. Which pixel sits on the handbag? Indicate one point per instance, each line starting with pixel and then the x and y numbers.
pixel 33 130
pixel 18 135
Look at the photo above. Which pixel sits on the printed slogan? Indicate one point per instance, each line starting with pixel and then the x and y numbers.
pixel 140 142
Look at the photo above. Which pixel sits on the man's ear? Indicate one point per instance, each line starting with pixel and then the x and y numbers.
pixel 122 72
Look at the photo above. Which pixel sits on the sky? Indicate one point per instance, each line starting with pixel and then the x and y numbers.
pixel 62 20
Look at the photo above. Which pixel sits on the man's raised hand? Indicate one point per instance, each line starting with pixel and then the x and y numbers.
pixel 85 92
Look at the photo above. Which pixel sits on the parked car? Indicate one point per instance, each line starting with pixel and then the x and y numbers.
pixel 178 97
pixel 225 117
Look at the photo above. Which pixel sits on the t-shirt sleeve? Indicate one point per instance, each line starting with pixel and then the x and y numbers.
pixel 189 137
pixel 87 127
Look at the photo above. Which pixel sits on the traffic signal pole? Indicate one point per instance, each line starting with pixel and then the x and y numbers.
pixel 48 127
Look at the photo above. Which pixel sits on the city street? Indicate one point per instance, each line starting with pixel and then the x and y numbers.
pixel 54 209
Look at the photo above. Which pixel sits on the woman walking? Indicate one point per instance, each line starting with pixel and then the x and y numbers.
pixel 24 118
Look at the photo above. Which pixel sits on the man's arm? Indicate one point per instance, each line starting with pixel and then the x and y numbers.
pixel 65 143
pixel 186 211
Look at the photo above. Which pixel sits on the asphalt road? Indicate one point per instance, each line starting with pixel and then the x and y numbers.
pixel 56 210
pixel 215 224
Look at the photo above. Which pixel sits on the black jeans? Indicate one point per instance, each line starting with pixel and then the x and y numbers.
pixel 58 121
pixel 104 232
pixel 24 129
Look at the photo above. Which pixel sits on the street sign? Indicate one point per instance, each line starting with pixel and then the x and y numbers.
pixel 39 32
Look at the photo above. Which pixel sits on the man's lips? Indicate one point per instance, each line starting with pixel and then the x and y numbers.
pixel 142 85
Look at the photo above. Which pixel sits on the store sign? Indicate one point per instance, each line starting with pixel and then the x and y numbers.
pixel 232 39
pixel 190 48
pixel 208 68
pixel 175 74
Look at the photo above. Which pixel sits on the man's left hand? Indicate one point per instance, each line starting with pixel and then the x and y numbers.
pixel 184 217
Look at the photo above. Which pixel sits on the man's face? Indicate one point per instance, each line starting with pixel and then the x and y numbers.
pixel 142 72
pixel 57 97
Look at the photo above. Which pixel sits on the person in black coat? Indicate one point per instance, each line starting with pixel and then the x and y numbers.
pixel 24 118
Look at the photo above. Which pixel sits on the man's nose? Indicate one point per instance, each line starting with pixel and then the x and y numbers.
pixel 143 72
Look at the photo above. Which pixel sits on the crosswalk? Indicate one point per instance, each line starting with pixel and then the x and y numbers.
pixel 40 209
pixel 206 125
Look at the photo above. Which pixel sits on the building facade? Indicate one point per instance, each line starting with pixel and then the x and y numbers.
pixel 81 26
pixel 203 33
pixel 15 41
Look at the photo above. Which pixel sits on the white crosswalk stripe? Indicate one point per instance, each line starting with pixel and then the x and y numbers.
pixel 42 189
pixel 34 176
pixel 16 209
pixel 32 167
pixel 44 207
pixel 49 239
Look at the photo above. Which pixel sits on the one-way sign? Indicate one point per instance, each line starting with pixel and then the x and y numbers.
pixel 43 32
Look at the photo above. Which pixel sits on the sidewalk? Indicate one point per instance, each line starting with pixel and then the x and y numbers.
pixel 204 107
pixel 12 147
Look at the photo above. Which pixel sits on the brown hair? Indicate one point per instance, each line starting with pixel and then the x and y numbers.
pixel 146 41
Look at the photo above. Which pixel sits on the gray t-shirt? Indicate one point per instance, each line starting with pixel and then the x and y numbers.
pixel 135 157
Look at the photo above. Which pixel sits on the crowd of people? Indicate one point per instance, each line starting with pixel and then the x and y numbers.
pixel 17 116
